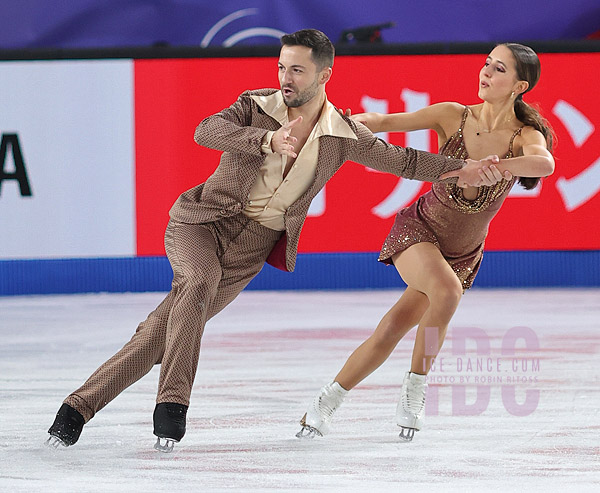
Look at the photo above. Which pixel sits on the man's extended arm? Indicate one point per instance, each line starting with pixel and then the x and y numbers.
pixel 230 130
pixel 400 161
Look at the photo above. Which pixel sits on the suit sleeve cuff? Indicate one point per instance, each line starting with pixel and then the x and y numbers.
pixel 265 145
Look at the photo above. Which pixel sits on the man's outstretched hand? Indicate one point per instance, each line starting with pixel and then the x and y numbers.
pixel 282 142
pixel 478 173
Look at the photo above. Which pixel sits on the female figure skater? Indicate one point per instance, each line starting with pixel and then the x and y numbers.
pixel 436 244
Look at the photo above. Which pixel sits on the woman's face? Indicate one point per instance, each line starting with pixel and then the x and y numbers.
pixel 498 76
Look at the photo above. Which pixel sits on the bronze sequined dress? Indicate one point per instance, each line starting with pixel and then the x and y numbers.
pixel 443 216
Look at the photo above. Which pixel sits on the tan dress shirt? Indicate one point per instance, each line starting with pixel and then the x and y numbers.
pixel 272 193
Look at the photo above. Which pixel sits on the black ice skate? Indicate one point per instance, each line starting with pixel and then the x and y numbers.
pixel 66 428
pixel 169 425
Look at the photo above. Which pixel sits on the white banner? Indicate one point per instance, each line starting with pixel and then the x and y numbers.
pixel 67 163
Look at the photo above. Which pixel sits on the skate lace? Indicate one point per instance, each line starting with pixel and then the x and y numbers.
pixel 328 403
pixel 414 398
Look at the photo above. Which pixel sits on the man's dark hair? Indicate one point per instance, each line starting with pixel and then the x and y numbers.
pixel 322 48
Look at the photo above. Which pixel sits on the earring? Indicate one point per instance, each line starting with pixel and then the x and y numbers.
pixel 512 94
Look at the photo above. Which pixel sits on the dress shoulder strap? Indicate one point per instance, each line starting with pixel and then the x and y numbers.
pixel 512 138
pixel 464 118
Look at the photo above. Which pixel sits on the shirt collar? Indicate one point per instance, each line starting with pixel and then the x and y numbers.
pixel 330 122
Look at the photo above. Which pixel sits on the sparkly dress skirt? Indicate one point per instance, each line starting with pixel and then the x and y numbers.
pixel 411 226
pixel 458 231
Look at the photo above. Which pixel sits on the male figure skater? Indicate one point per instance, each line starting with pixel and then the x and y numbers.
pixel 280 148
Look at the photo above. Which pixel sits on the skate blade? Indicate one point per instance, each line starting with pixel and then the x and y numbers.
pixel 406 434
pixel 55 442
pixel 308 433
pixel 166 447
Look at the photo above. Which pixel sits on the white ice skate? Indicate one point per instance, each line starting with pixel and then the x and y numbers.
pixel 317 419
pixel 410 410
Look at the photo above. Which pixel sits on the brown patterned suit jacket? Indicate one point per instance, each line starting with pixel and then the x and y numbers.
pixel 239 130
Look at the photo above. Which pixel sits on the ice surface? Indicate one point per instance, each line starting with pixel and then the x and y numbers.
pixel 261 362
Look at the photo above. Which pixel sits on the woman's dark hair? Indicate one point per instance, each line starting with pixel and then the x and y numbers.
pixel 528 69
pixel 322 48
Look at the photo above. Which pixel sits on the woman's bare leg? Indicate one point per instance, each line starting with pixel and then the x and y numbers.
pixel 424 269
pixel 395 324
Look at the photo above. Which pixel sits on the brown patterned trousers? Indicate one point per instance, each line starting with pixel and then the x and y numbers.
pixel 212 263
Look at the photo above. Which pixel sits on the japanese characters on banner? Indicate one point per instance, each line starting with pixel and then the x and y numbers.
pixel 355 210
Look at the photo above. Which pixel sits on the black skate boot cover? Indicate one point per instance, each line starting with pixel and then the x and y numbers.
pixel 67 425
pixel 169 420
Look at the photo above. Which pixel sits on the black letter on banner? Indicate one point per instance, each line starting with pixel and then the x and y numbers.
pixel 20 173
